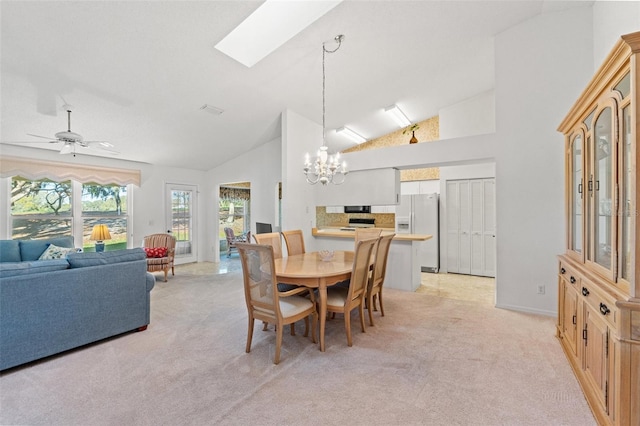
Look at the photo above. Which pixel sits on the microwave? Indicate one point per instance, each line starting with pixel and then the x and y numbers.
pixel 357 209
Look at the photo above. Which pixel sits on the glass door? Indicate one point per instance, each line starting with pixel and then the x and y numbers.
pixel 576 201
pixel 601 193
pixel 181 209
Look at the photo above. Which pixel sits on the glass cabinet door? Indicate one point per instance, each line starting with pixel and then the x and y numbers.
pixel 576 201
pixel 625 195
pixel 601 187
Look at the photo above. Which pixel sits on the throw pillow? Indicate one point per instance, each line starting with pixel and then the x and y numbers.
pixel 55 252
pixel 156 251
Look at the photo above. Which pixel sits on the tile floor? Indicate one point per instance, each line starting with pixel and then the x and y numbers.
pixel 449 286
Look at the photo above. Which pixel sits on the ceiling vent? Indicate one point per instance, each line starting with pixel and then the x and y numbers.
pixel 211 109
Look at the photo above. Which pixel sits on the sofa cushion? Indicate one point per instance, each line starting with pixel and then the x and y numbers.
pixel 10 251
pixel 55 252
pixel 11 269
pixel 81 260
pixel 32 249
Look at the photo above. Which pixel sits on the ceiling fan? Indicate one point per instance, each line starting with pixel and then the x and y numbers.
pixel 72 140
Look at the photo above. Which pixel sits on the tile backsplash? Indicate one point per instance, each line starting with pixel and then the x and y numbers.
pixel 324 219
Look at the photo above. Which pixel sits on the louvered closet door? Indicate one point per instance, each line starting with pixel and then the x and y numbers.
pixel 471 228
pixel 453 226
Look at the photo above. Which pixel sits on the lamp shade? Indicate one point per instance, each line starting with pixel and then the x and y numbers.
pixel 100 233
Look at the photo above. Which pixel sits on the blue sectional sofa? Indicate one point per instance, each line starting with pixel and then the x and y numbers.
pixel 50 306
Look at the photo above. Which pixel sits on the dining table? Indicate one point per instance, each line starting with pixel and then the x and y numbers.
pixel 310 270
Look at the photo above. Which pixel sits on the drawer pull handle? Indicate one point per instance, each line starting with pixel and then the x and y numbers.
pixel 603 309
pixel 575 320
pixel 585 291
pixel 563 271
pixel 573 280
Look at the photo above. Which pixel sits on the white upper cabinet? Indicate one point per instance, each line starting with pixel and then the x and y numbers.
pixel 366 188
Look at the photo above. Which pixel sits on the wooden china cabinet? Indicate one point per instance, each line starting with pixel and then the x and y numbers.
pixel 599 276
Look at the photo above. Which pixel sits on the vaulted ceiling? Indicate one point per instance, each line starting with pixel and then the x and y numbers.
pixel 137 72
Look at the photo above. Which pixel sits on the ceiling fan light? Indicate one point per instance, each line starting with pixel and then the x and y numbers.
pixel 67 148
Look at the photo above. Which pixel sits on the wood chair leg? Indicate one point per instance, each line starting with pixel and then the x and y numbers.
pixel 264 326
pixel 347 327
pixel 306 326
pixel 370 304
pixel 361 312
pixel 379 297
pixel 276 359
pixel 249 334
pixel 293 329
pixel 165 275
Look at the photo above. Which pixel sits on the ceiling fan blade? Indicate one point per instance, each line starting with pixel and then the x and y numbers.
pixel 103 146
pixel 43 137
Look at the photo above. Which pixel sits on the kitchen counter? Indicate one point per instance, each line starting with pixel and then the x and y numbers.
pixel 337 232
pixel 403 266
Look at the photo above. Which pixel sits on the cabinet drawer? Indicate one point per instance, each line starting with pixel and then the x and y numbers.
pixel 570 275
pixel 606 306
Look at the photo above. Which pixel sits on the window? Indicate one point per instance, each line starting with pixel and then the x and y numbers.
pixel 104 204
pixel 40 209
pixel 45 208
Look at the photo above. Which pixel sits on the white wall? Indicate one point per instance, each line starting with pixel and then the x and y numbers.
pixel 611 19
pixel 299 136
pixel 541 67
pixel 261 167
pixel 473 116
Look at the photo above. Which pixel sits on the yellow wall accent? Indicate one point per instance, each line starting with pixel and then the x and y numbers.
pixel 429 131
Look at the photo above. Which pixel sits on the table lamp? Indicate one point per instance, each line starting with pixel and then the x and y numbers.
pixel 99 234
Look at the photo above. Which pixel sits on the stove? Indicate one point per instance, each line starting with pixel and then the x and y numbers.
pixel 359 223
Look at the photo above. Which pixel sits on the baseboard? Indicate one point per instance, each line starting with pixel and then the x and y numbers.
pixel 527 310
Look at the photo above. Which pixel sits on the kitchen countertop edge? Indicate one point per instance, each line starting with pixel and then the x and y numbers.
pixel 337 233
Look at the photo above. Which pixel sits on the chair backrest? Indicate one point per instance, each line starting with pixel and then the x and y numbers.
pixel 380 265
pixel 360 270
pixel 367 233
pixel 271 239
pixel 294 241
pixel 228 232
pixel 161 240
pixel 260 285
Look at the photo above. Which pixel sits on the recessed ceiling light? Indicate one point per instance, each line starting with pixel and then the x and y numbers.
pixel 345 131
pixel 398 116
pixel 269 27
pixel 211 109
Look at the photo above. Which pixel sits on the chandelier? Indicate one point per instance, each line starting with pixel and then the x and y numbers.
pixel 325 168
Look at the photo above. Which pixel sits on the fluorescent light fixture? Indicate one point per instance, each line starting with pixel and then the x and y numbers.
pixel 398 116
pixel 211 109
pixel 269 27
pixel 345 131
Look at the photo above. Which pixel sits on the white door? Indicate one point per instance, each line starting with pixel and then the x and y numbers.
pixel 489 228
pixel 452 214
pixel 471 229
pixel 181 220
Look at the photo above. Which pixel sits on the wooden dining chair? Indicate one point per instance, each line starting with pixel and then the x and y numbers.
pixel 376 279
pixel 265 302
pixel 344 300
pixel 294 241
pixel 271 239
pixel 367 233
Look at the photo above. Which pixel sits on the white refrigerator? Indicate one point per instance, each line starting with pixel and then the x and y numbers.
pixel 419 214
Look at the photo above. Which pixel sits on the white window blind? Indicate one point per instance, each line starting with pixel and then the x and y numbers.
pixel 38 169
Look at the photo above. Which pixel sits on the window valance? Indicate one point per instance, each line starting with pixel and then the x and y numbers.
pixel 38 169
pixel 235 193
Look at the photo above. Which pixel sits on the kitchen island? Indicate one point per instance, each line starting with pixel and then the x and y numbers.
pixel 403 268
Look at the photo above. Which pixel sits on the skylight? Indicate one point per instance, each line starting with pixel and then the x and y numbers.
pixel 269 27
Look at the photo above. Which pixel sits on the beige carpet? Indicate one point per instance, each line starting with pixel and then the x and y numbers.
pixel 429 361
